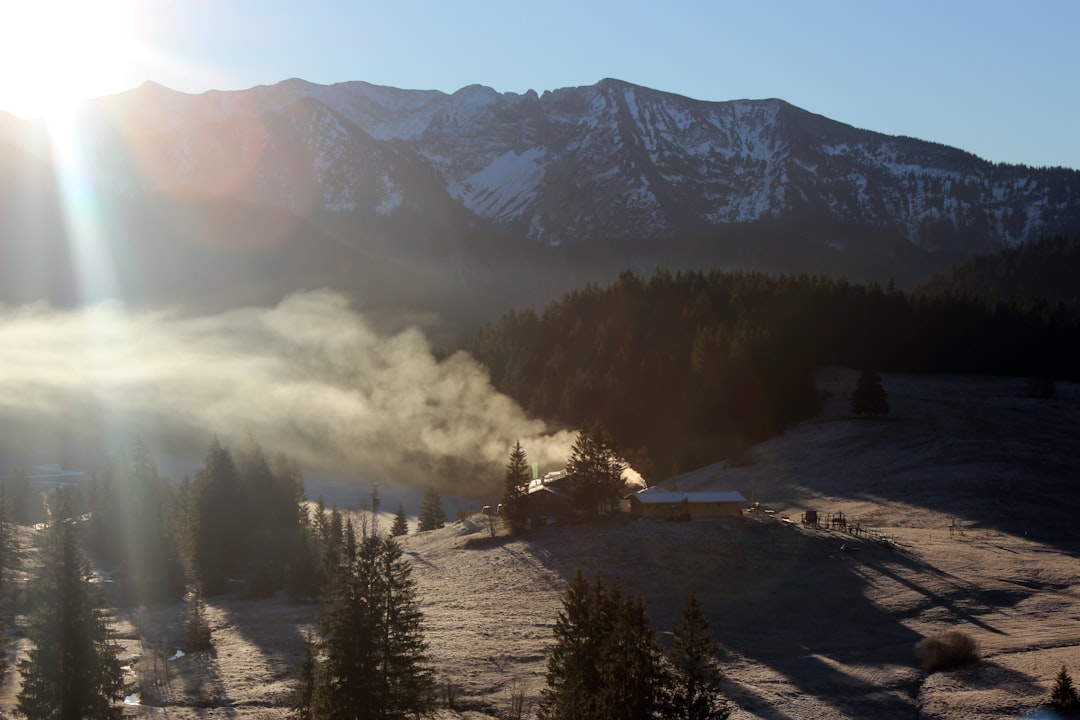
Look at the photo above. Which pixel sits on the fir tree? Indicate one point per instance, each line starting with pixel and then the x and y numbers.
pixel 573 676
pixel 515 500
pixel 72 671
pixel 401 523
pixel 373 655
pixel 606 663
pixel 432 515
pixel 595 471
pixel 217 528
pixel 1063 696
pixel 869 397
pixel 695 674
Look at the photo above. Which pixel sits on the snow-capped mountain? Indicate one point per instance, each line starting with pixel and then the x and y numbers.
pixel 611 160
pixel 435 199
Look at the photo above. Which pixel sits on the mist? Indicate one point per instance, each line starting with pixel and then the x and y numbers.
pixel 309 377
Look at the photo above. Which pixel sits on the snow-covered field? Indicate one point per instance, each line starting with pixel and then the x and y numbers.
pixel 973 482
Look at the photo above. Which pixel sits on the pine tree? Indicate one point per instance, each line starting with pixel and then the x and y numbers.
pixel 606 663
pixel 1063 696
pixel 515 500
pixel 595 471
pixel 695 674
pixel 373 655
pixel 72 671
pixel 401 523
pixel 573 676
pixel 218 527
pixel 432 515
pixel 869 397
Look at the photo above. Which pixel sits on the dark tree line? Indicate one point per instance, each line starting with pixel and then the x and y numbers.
pixel 245 517
pixel 682 367
pixel 136 529
pixel 1044 271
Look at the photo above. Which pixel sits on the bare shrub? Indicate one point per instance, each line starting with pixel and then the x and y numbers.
pixel 450 694
pixel 518 706
pixel 946 650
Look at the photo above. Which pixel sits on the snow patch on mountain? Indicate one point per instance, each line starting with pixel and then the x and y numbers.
pixel 505 187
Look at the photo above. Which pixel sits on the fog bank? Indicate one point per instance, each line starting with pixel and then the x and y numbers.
pixel 309 377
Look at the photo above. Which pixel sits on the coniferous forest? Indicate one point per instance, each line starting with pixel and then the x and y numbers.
pixel 683 368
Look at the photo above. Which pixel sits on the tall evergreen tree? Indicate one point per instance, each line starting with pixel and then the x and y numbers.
pixel 515 499
pixel 432 515
pixel 695 673
pixel 72 671
pixel 219 524
pixel 595 471
pixel 869 397
pixel 606 663
pixel 373 662
pixel 401 523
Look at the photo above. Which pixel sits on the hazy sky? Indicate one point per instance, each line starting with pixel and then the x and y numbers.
pixel 1000 79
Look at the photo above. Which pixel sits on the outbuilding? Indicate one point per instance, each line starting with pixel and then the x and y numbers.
pixel 666 505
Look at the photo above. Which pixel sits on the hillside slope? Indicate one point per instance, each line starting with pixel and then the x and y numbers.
pixel 972 481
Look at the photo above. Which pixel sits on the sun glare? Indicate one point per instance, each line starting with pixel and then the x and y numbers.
pixel 56 53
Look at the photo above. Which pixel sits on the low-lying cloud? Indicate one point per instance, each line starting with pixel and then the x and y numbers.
pixel 308 377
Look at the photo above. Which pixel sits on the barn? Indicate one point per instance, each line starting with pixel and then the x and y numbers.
pixel 657 503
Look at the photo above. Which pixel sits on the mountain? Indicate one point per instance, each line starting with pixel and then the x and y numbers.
pixel 583 181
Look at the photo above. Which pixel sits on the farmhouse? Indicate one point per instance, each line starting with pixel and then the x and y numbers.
pixel 662 504
pixel 550 500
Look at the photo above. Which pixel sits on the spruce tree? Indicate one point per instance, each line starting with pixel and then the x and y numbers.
pixel 401 523
pixel 1063 696
pixel 595 471
pixel 432 515
pixel 869 397
pixel 695 674
pixel 72 671
pixel 515 500
pixel 573 675
pixel 606 663
pixel 218 527
pixel 373 661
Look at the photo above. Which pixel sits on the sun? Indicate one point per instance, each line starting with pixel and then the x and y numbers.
pixel 56 53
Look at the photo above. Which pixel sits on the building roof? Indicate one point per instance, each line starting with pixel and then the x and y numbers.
pixel 654 490
pixel 668 498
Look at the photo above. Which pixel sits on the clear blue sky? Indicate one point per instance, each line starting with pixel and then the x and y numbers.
pixel 1000 79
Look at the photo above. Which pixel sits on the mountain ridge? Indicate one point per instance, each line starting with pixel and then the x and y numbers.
pixel 594 179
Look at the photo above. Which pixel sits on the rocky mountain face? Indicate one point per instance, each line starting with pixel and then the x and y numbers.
pixel 608 160
pixel 651 177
